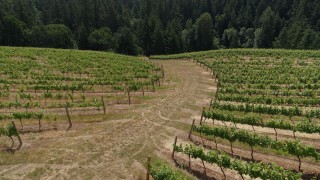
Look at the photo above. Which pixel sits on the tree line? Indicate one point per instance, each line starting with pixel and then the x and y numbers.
pixel 160 26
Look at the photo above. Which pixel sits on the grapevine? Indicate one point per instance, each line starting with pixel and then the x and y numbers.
pixel 254 170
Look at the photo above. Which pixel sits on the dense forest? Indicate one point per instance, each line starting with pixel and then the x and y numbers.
pixel 160 26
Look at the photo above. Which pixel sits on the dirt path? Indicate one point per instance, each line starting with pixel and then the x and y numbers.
pixel 115 149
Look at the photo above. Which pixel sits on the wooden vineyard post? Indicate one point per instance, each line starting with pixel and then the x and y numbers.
pixel 174 145
pixel 104 105
pixel 202 115
pixel 191 129
pixel 299 163
pixel 39 122
pixel 68 116
pixel 142 89
pixel 129 98
pixel 216 95
pixel 19 139
pixel 211 102
pixel 154 88
pixel 12 143
pixel 162 71
pixel 148 168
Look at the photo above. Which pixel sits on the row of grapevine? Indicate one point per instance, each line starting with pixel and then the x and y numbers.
pixel 273 92
pixel 268 109
pixel 261 109
pixel 283 87
pixel 254 170
pixel 268 100
pixel 304 126
pixel 295 148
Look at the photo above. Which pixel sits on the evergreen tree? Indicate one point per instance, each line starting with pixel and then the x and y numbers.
pixel 165 26
pixel 14 32
pixel 268 22
pixel 101 39
pixel 308 39
pixel 259 11
pixel 1 32
pixel 246 37
pixel 230 38
pixel 173 37
pixel 59 36
pixel 83 36
pixel 158 39
pixel 125 42
pixel 38 36
pixel 204 33
pixel 258 38
pixel 187 36
pixel 283 40
pixel 221 24
pixel 147 39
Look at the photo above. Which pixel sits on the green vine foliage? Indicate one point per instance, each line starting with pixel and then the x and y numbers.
pixel 295 147
pixel 254 170
pixel 304 126
pixel 8 131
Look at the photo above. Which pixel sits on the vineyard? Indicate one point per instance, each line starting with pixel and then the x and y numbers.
pixel 40 86
pixel 225 114
pixel 263 120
